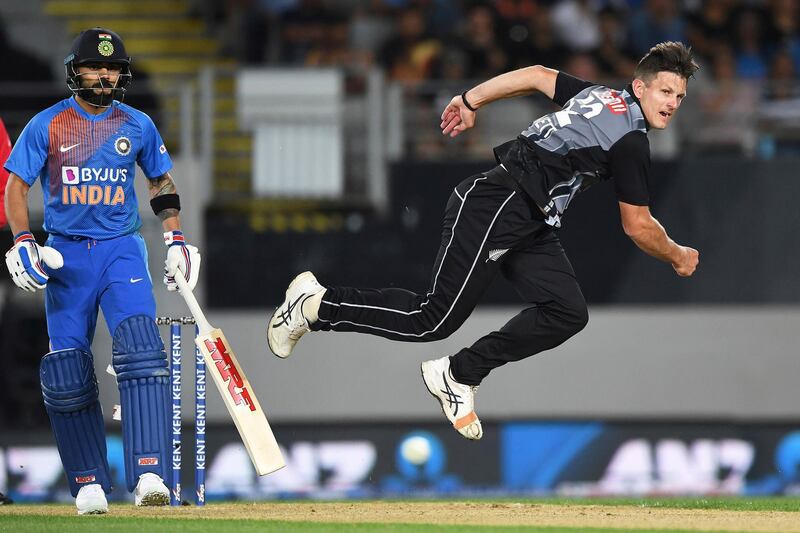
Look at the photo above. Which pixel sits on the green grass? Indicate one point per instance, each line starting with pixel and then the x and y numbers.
pixel 48 518
pixel 726 503
pixel 137 525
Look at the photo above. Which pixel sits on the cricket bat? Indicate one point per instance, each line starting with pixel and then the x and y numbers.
pixel 240 399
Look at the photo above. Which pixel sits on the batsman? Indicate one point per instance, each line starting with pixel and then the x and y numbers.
pixel 84 150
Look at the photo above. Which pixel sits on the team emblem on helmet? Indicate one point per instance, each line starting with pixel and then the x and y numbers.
pixel 105 48
pixel 122 146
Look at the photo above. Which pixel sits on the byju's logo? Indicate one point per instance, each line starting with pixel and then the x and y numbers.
pixel 69 175
pixel 81 186
pixel 74 175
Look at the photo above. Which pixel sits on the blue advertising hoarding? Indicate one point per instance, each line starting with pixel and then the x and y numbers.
pixel 522 458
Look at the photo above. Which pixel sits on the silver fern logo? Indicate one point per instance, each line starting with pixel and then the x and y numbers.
pixel 494 255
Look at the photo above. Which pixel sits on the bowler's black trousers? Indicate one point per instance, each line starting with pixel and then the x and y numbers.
pixel 489 226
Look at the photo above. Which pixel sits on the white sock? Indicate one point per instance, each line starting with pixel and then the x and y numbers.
pixel 311 305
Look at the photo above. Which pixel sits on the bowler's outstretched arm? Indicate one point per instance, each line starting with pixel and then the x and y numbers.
pixel 458 117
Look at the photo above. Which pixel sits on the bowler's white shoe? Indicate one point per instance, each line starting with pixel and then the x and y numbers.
pixel 91 500
pixel 288 323
pixel 150 491
pixel 457 400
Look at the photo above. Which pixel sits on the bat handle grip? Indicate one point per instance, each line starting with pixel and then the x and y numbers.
pixel 183 286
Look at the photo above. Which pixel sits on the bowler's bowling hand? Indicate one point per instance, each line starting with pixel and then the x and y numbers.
pixel 456 117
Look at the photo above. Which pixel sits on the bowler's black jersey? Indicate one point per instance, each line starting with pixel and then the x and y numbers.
pixel 599 133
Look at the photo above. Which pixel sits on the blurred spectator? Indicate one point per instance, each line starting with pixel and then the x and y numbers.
pixel 249 30
pixel 659 21
pixel 441 16
pixel 613 57
pixel 331 47
pixel 576 24
pixel 368 26
pixel 583 66
pixel 517 10
pixel 486 54
pixel 723 107
pixel 411 54
pixel 784 16
pixel 784 26
pixel 453 63
pixel 710 26
pixel 779 113
pixel 750 55
pixel 782 83
pixel 307 26
pixel 538 45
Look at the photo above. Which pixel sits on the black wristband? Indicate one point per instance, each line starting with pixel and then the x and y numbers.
pixel 165 201
pixel 464 99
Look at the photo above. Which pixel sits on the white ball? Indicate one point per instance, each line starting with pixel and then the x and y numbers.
pixel 416 450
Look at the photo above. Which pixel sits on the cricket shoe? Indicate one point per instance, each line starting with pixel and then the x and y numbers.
pixel 288 323
pixel 457 400
pixel 91 500
pixel 150 491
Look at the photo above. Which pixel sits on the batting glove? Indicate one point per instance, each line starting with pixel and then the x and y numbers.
pixel 180 257
pixel 24 261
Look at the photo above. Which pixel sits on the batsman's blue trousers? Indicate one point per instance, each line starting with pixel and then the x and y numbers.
pixel 109 274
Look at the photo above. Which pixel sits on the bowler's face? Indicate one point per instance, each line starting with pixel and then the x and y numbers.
pixel 660 98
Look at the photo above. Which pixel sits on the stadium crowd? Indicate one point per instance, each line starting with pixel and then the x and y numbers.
pixel 416 40
pixel 749 50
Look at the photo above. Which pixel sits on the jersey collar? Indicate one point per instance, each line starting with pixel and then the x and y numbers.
pixel 629 90
pixel 88 116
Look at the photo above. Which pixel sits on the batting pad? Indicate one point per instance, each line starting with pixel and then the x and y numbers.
pixel 69 389
pixel 143 379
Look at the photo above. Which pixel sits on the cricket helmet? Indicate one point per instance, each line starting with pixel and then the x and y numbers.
pixel 98 45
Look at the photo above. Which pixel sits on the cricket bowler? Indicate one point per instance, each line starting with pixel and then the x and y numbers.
pixel 505 220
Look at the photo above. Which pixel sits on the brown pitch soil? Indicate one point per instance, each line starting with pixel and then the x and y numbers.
pixel 460 513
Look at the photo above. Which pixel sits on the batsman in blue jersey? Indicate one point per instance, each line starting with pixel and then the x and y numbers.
pixel 84 150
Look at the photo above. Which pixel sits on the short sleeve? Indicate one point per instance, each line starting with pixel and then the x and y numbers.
pixel 28 157
pixel 153 158
pixel 568 86
pixel 629 164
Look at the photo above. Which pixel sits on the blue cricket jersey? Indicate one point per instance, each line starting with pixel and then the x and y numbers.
pixel 87 165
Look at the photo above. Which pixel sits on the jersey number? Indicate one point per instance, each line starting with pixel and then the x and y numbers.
pixel 588 107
